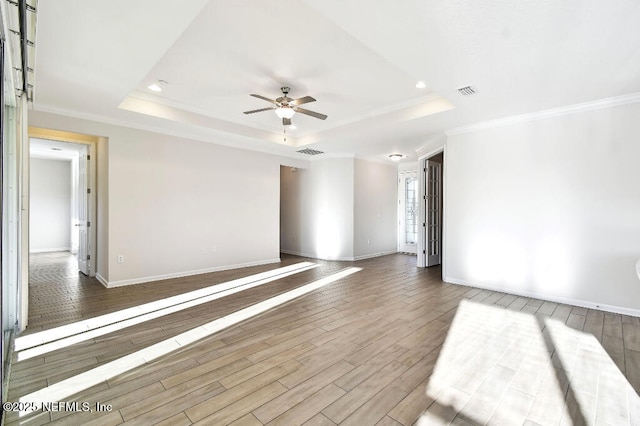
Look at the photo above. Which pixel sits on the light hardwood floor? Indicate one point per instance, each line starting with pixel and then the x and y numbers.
pixel 391 344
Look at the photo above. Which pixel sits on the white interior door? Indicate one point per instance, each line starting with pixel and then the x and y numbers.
pixel 407 212
pixel 433 210
pixel 83 224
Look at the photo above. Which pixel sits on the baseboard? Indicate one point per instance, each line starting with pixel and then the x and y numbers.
pixel 140 280
pixel 298 253
pixel 372 255
pixel 339 259
pixel 315 256
pixel 556 299
pixel 50 250
pixel 102 280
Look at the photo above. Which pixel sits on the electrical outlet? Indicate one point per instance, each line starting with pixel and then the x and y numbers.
pixel 120 258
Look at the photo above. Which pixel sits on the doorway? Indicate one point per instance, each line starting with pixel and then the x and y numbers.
pixel 408 212
pixel 62 201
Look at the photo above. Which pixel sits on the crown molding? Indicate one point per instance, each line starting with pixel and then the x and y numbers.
pixel 219 139
pixel 549 113
pixel 329 155
pixel 385 161
pixel 432 144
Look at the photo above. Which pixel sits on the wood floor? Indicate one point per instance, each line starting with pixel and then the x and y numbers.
pixel 389 345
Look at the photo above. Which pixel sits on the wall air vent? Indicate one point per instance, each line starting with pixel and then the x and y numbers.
pixel 466 90
pixel 309 151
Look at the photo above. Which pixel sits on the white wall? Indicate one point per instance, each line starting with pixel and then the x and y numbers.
pixel 375 209
pixel 177 206
pixel 50 215
pixel 189 206
pixel 549 208
pixel 317 209
pixel 339 209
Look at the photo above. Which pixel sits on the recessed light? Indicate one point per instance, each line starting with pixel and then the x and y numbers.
pixel 157 86
pixel 396 157
pixel 421 85
pixel 56 149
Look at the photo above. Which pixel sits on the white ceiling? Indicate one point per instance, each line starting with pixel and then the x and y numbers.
pixel 359 59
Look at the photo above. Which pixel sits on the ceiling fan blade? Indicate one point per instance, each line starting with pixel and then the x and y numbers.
pixel 303 100
pixel 264 99
pixel 311 113
pixel 259 110
pixel 286 122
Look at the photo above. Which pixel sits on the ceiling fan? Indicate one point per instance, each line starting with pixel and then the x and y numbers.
pixel 285 107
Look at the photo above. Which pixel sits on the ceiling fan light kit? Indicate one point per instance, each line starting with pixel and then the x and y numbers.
pixel 285 112
pixel 285 107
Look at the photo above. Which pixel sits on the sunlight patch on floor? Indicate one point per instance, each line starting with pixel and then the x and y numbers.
pixel 68 387
pixel 46 341
pixel 499 366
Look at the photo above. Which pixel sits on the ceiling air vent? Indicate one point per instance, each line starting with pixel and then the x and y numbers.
pixel 466 90
pixel 309 151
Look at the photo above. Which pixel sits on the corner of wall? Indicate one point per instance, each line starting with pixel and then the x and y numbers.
pixel 103 209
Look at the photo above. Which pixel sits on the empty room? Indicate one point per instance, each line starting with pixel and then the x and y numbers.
pixel 320 212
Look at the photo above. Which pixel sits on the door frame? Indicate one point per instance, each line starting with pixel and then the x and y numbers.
pixel 401 228
pixel 92 143
pixel 422 257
